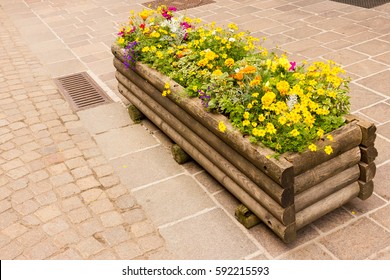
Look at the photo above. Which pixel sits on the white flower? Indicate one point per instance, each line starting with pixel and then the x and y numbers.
pixel 232 40
pixel 291 101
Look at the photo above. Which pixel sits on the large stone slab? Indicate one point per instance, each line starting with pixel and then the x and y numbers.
pixel 118 142
pixel 164 201
pixel 212 235
pixel 145 167
pixel 105 117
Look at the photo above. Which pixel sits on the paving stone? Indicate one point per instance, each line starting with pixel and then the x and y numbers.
pixel 21 196
pixel 48 213
pixel 69 254
pixel 104 118
pixel 91 195
pixel 89 247
pixel 111 219
pixel 103 170
pixel 32 237
pixel 109 181
pixel 27 207
pixel 76 162
pixel 4 205
pixel 117 142
pixel 144 167
pixel 71 203
pixel 142 228
pixel 18 172
pixel 381 186
pixel 162 200
pixel 66 238
pixel 128 250
pixel 355 236
pixel 90 227
pixel 219 239
pixel 38 176
pixel 11 251
pixel 113 236
pixel 81 172
pixel 61 179
pixel 68 190
pixel 55 226
pixel 209 182
pixel 15 230
pixel 115 192
pixel 41 251
pixel 76 216
pixel 101 206
pixel 382 216
pixel 308 252
pixel 87 183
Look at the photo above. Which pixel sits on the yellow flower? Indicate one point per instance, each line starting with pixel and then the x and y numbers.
pixel 283 87
pixel 121 41
pixel 294 132
pixel 246 123
pixel 229 62
pixel 268 98
pixel 250 106
pixel 167 85
pixel 261 118
pixel 255 94
pixel 330 137
pixel 320 133
pixel 270 128
pixel 312 147
pixel 282 120
pixel 246 115
pixel 328 150
pixel 145 49
pixel 217 72
pixel 221 127
pixel 254 124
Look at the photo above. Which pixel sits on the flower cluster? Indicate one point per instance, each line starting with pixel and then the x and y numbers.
pixel 274 101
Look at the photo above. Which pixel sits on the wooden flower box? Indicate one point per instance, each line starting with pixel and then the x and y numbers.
pixel 286 193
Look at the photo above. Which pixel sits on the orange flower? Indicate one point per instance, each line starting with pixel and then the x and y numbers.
pixel 249 69
pixel 238 76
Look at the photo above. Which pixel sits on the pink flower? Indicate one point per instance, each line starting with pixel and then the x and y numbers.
pixel 293 65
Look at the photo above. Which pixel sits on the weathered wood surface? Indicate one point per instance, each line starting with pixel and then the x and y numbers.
pixel 326 188
pixel 279 170
pixel 326 205
pixel 369 154
pixel 330 168
pixel 368 130
pixel 366 189
pixel 246 216
pixel 367 171
pixel 283 196
pixel 345 138
pixel 286 232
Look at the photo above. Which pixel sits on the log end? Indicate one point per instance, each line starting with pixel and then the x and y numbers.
pixel 136 115
pixel 246 217
pixel 366 189
pixel 179 155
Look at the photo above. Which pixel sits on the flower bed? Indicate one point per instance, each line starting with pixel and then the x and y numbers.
pixel 298 158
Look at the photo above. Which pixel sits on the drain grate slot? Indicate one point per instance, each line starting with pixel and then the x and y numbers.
pixel 81 91
pixel 368 4
pixel 179 4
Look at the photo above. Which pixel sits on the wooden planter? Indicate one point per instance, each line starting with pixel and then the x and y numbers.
pixel 286 193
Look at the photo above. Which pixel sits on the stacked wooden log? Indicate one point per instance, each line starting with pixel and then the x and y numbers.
pixel 285 193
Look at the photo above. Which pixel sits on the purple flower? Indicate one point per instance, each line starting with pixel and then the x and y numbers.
pixel 204 98
pixel 293 65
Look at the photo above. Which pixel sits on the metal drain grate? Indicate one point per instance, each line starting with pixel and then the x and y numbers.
pixel 81 91
pixel 368 4
pixel 179 4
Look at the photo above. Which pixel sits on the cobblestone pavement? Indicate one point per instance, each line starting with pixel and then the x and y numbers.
pixel 94 185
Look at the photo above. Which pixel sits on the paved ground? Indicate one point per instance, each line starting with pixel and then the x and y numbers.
pixel 93 185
